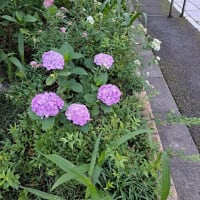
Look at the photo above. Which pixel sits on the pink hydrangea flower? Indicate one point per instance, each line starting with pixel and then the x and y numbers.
pixel 84 34
pixel 109 94
pixel 63 29
pixel 34 64
pixel 48 3
pixel 104 60
pixel 52 60
pixel 78 114
pixel 47 104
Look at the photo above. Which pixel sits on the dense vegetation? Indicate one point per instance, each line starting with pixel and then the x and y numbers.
pixel 70 118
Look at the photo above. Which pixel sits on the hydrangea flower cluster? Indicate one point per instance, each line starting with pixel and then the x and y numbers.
pixel 78 114
pixel 52 60
pixel 48 3
pixel 47 104
pixel 90 20
pixel 155 44
pixel 109 94
pixel 104 60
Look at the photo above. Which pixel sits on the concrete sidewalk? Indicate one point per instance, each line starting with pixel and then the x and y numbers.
pixel 192 11
pixel 180 68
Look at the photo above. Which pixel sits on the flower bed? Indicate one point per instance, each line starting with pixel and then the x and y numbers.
pixel 78 132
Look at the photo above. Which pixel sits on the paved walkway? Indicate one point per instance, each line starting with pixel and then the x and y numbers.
pixel 180 66
pixel 192 11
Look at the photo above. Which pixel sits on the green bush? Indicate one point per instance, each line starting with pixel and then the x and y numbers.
pixel 113 156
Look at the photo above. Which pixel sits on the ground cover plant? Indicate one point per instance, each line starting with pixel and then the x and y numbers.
pixel 78 130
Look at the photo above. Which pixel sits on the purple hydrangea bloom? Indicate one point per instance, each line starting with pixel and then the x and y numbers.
pixel 78 114
pixel 109 94
pixel 47 104
pixel 104 60
pixel 52 60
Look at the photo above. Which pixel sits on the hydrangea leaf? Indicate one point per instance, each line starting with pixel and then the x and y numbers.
pixel 75 86
pixel 50 80
pixel 78 71
pixel 32 115
pixel 77 56
pixel 84 129
pixel 95 110
pixel 63 73
pixel 89 63
pixel 101 79
pixel 90 98
pixel 48 123
pixel 105 108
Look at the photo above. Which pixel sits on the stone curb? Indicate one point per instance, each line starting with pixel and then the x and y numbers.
pixel 148 114
pixel 176 137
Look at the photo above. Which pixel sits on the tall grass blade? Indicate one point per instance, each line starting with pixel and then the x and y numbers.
pixel 94 157
pixel 21 47
pixel 128 136
pixel 43 195
pixel 18 64
pixel 67 177
pixel 70 168
pixel 133 18
pixel 165 179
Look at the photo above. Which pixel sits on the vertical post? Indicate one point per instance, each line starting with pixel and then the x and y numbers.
pixel 183 9
pixel 170 10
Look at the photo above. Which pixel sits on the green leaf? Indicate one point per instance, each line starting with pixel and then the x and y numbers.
pixel 95 110
pixel 165 179
pixel 50 80
pixel 24 31
pixel 3 56
pixel 96 174
pixel 84 129
pixel 94 157
pixel 3 3
pixel 47 123
pixel 21 46
pixel 75 86
pixel 89 63
pixel 32 115
pixel 67 50
pixel 18 64
pixel 43 195
pixel 30 18
pixel 53 10
pixel 101 79
pixel 9 18
pixel 128 136
pixel 113 145
pixel 67 177
pixel 19 15
pixel 70 168
pixel 77 56
pixel 105 108
pixel 133 18
pixel 63 73
pixel 90 98
pixel 78 71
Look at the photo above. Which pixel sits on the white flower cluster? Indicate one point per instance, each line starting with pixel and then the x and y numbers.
pixel 90 20
pixel 155 44
pixel 137 62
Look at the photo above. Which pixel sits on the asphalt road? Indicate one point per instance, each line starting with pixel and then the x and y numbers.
pixel 180 57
